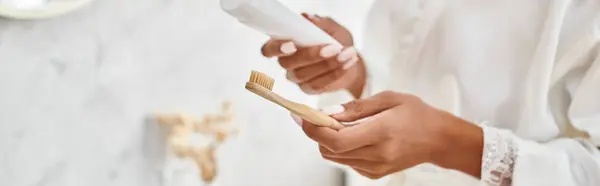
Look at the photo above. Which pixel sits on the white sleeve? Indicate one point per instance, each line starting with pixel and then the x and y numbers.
pixel 378 47
pixel 510 160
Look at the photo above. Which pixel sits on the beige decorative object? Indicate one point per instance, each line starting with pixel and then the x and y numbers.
pixel 216 126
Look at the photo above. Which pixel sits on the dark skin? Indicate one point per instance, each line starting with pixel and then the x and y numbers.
pixel 316 73
pixel 401 130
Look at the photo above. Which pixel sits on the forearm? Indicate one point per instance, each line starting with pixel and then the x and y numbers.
pixel 498 157
pixel 462 148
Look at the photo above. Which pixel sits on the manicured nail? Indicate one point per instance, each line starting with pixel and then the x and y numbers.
pixel 307 89
pixel 334 109
pixel 288 48
pixel 290 76
pixel 311 91
pixel 297 119
pixel 331 50
pixel 350 63
pixel 347 54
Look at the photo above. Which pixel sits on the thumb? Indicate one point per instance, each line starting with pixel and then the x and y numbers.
pixel 362 108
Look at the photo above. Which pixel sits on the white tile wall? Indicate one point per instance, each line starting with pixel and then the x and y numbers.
pixel 74 92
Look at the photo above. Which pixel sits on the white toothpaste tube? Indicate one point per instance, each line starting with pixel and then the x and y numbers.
pixel 277 21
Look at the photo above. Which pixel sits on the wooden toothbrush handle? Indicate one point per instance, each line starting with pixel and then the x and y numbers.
pixel 305 112
pixel 316 117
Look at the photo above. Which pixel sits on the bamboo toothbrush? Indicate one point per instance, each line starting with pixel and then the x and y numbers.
pixel 262 85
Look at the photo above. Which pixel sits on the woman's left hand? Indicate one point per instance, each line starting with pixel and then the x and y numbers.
pixel 395 132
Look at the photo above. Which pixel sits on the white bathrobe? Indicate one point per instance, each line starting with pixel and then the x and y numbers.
pixel 530 68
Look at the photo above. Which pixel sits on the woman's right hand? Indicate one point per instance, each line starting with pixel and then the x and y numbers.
pixel 325 68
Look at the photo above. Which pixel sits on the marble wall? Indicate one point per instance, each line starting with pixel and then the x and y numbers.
pixel 75 91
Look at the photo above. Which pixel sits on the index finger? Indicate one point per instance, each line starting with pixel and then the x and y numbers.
pixel 306 56
pixel 276 48
pixel 373 105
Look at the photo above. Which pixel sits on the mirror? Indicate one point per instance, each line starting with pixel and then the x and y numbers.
pixel 39 9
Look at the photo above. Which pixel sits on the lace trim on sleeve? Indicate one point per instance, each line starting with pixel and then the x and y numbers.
pixel 499 155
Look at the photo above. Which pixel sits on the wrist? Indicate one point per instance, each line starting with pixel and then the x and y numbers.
pixel 462 147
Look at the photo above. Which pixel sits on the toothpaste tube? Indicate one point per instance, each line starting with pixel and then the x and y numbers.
pixel 277 21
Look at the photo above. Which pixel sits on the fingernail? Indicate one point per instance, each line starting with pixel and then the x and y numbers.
pixel 310 16
pixel 331 50
pixel 306 89
pixel 350 63
pixel 297 119
pixel 288 48
pixel 311 90
pixel 347 54
pixel 290 76
pixel 334 109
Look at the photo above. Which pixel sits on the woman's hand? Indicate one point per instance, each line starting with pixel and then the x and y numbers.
pixel 324 68
pixel 395 132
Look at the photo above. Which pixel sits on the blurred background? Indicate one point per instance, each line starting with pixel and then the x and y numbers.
pixel 76 91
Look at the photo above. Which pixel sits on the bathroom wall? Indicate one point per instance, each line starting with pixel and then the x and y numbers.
pixel 75 92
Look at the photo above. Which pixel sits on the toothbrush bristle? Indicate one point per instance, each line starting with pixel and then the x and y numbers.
pixel 261 79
